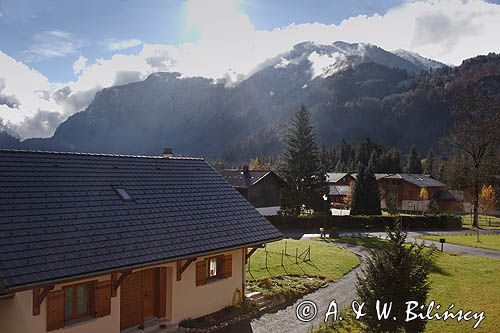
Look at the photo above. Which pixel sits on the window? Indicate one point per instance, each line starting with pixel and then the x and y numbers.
pixel 212 268
pixel 123 194
pixel 76 302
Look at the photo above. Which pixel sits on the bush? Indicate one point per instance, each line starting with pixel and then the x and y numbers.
pixel 313 223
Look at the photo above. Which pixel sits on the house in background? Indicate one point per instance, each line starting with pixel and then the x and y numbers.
pixel 262 188
pixel 404 189
pixel 103 243
pixel 340 178
pixel 338 195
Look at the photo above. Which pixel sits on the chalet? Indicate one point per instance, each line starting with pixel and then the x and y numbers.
pixel 104 243
pixel 338 195
pixel 404 189
pixel 261 187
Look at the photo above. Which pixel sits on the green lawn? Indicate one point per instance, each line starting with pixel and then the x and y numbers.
pixel 485 222
pixel 486 241
pixel 469 282
pixel 371 242
pixel 326 261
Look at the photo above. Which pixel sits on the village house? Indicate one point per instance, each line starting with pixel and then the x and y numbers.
pixel 405 191
pixel 105 243
pixel 340 178
pixel 262 188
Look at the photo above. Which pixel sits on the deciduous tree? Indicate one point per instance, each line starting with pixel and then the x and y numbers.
pixel 476 132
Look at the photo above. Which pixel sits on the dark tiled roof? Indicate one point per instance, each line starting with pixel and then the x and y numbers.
pixel 61 215
pixel 238 178
pixel 417 179
pixel 339 190
pixel 413 178
pixel 333 177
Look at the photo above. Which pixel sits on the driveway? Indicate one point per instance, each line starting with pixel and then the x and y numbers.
pixel 285 320
pixel 412 237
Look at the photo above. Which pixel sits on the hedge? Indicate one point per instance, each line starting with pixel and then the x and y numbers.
pixel 442 221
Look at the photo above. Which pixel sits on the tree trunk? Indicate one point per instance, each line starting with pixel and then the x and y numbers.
pixel 475 222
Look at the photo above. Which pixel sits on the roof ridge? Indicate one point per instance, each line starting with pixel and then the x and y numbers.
pixel 49 152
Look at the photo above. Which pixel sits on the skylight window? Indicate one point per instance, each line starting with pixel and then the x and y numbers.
pixel 123 194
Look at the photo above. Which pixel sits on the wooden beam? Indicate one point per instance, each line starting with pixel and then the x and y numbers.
pixel 252 251
pixel 182 267
pixel 113 281
pixel 38 297
pixel 118 282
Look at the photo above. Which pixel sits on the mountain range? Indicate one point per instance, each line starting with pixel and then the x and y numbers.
pixel 352 90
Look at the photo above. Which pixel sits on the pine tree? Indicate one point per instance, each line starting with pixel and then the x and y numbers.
pixel 358 201
pixel 366 194
pixel 372 189
pixel 397 274
pixel 301 168
pixel 433 207
pixel 414 164
pixel 429 163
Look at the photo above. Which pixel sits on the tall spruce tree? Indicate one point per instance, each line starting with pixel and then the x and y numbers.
pixel 398 274
pixel 366 194
pixel 301 168
pixel 414 164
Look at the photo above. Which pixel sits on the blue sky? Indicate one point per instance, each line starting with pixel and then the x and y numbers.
pixel 96 23
pixel 56 54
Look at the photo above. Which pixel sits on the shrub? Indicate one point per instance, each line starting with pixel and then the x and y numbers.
pixel 313 223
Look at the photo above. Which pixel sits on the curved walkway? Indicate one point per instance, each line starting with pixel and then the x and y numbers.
pixel 285 320
pixel 342 291
pixel 412 237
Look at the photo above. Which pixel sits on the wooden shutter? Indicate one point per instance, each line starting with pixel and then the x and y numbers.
pixel 161 287
pixel 228 266
pixel 102 299
pixel 201 271
pixel 55 310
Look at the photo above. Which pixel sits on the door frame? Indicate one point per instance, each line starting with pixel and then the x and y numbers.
pixel 161 290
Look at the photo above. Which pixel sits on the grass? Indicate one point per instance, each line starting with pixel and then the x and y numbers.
pixel 330 262
pixel 486 241
pixel 469 282
pixel 485 222
pixel 290 287
pixel 371 242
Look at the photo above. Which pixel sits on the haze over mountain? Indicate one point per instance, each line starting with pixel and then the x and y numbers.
pixel 352 90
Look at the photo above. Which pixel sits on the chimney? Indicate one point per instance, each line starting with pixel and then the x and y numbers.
pixel 245 168
pixel 167 152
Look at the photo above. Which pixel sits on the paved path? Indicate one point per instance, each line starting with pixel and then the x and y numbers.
pixel 286 321
pixel 412 237
pixel 342 291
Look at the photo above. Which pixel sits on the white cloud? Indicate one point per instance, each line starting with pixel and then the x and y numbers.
pixel 79 65
pixel 230 47
pixel 124 44
pixel 51 44
pixel 31 91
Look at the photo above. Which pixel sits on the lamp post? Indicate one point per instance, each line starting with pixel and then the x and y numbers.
pixel 325 198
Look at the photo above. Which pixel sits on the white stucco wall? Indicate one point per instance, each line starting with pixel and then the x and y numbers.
pixel 184 300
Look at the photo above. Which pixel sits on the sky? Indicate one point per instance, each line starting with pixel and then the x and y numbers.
pixel 56 54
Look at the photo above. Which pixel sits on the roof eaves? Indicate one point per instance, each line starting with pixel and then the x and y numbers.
pixel 125 268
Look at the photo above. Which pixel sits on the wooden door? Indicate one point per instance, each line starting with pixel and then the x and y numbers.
pixel 149 293
pixel 131 304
